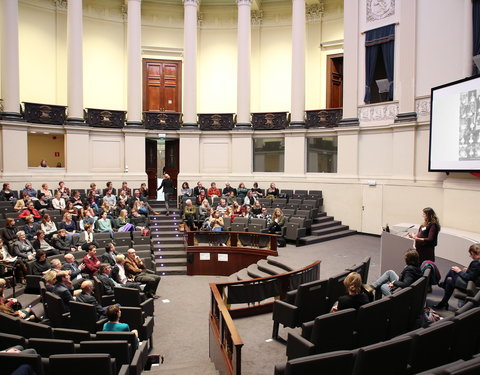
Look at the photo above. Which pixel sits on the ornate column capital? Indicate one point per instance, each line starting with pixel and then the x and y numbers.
pixel 314 12
pixel 244 2
pixel 60 4
pixel 257 17
pixel 191 2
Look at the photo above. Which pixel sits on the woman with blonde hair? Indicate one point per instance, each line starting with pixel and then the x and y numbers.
pixel 216 222
pixel 278 220
pixel 355 296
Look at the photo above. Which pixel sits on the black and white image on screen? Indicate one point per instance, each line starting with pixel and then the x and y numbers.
pixel 469 132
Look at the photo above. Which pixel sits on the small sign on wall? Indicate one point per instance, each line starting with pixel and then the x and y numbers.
pixel 204 256
pixel 57 154
pixel 223 257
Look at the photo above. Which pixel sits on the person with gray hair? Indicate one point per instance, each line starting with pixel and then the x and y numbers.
pixel 190 214
pixel 22 247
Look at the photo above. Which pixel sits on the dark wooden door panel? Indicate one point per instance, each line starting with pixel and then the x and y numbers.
pixel 162 85
pixel 335 81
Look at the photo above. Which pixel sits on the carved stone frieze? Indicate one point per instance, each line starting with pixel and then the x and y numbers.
pixel 323 118
pixel 314 12
pixel 200 17
pixel 216 121
pixel 162 120
pixel 104 118
pixel 61 4
pixel 270 120
pixel 379 112
pixel 45 113
pixel 257 17
pixel 379 9
pixel 422 107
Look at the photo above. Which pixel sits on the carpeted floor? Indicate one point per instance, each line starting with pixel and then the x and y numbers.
pixel 181 325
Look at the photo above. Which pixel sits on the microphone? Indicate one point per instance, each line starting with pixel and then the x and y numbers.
pixel 405 231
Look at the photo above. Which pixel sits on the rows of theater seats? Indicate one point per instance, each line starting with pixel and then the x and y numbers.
pixel 381 337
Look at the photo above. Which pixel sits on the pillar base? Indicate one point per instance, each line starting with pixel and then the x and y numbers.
pixel 243 125
pixel 297 124
pixel 11 116
pixel 406 117
pixel 190 125
pixel 78 121
pixel 134 124
pixel 353 121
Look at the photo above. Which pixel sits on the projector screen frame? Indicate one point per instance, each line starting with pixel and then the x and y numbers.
pixel 432 92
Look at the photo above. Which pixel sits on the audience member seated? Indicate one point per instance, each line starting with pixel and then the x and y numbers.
pixel 58 202
pixel 213 192
pixel 30 211
pixel 9 233
pixel 202 209
pixel 104 224
pixel 122 222
pixel 458 278
pixel 76 200
pixel 125 189
pixel 19 268
pixel 40 265
pixel 249 199
pixel 135 269
pixel 228 216
pixel 185 191
pixel 86 296
pixel 143 190
pixel 200 197
pixel 41 244
pixel 190 214
pixel 257 193
pixel 48 226
pixel 256 208
pixel 137 197
pixel 22 247
pixel 120 276
pixel 93 201
pixel 208 219
pixel 231 198
pixel 242 190
pixel 63 190
pixel 6 194
pixel 197 189
pixel 222 206
pixel 93 189
pixel 92 264
pixel 11 306
pixel 265 215
pixel 46 192
pixel 122 196
pixel 390 281
pixel 237 210
pixel 43 163
pixel 110 254
pixel 140 221
pixel 30 228
pixel 110 198
pixel 247 212
pixel 216 222
pixel 68 225
pixel 32 193
pixel 56 266
pixel 278 221
pixel 86 238
pixel 109 186
pixel 62 242
pixel 228 189
pixel 22 203
pixel 355 296
pixel 50 279
pixel 64 289
pixel 272 191
pixel 72 210
pixel 41 204
pixel 113 324
pixel 87 218
pixel 104 275
pixel 74 269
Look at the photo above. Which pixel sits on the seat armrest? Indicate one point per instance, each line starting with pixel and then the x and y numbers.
pixel 280 369
pixel 307 329
pixel 100 323
pixel 124 370
pixel 472 288
pixel 148 307
pixel 108 300
pixel 291 296
pixel 298 347
pixel 285 313
pixel 136 365
pixel 146 330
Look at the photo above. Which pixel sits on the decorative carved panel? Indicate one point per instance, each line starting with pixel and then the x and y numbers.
pixel 270 120
pixel 323 118
pixel 216 121
pixel 45 113
pixel 162 120
pixel 380 9
pixel 379 112
pixel 104 118
pixel 422 107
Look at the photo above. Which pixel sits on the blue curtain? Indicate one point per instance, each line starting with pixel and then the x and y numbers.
pixel 476 32
pixel 383 37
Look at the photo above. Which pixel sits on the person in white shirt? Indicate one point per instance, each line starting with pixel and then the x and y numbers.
pixel 58 202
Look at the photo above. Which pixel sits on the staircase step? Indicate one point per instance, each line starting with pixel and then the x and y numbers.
pixel 308 240
pixel 186 368
pixel 330 229
pixel 280 262
pixel 166 239
pixel 173 270
pixel 255 273
pixel 243 275
pixel 326 224
pixel 168 246
pixel 170 254
pixel 322 219
pixel 266 267
pixel 170 262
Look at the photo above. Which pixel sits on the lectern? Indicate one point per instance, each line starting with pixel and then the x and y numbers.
pixel 392 250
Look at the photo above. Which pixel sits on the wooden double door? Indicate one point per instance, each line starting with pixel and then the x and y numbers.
pixel 162 85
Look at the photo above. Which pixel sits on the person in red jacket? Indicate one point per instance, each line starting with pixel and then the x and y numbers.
pixel 213 191
pixel 30 210
pixel 91 262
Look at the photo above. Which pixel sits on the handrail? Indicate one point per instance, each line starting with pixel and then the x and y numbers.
pixel 225 342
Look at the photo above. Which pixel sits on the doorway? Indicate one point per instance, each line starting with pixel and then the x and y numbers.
pixel 162 85
pixel 162 156
pixel 335 81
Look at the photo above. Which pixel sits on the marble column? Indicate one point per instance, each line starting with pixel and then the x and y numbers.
pixel 10 60
pixel 75 61
pixel 190 63
pixel 298 64
pixel 243 63
pixel 468 38
pixel 134 52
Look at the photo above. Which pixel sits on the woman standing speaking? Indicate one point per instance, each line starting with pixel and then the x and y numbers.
pixel 426 237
